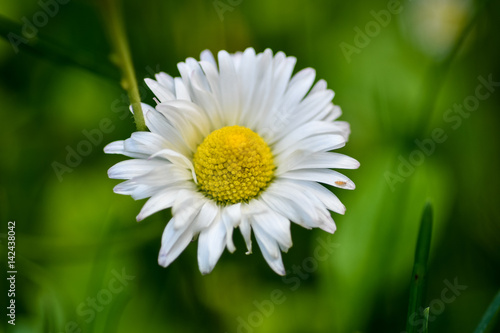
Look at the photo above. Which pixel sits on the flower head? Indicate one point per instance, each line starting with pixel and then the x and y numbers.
pixel 238 143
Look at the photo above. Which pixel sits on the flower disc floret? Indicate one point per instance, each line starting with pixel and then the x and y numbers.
pixel 233 164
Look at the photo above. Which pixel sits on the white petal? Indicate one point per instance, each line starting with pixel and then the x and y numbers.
pixel 184 113
pixel 261 103
pixel 305 205
pixel 126 187
pixel 166 80
pixel 160 91
pixel 290 209
pixel 266 241
pixel 157 202
pixel 228 79
pixel 319 86
pixel 245 229
pixel 283 234
pixel 185 71
pixel 273 224
pixel 196 77
pixel 187 199
pixel 319 160
pixel 282 73
pixel 333 114
pixel 207 56
pixel 187 206
pixel 152 140
pixel 301 209
pixel 329 199
pixel 248 82
pixel 313 107
pixel 181 91
pixel 132 168
pixel 146 108
pixel 135 190
pixel 145 143
pixel 274 118
pixel 165 175
pixel 310 129
pixel 283 206
pixel 207 214
pixel 117 147
pixel 158 124
pixel 212 76
pixel 173 242
pixel 178 159
pixel 298 87
pixel 319 143
pixel 211 244
pixel 206 100
pixel 325 176
pixel 274 262
pixel 231 217
pixel 345 127
pixel 333 160
pixel 326 222
pixel 322 143
pixel 174 157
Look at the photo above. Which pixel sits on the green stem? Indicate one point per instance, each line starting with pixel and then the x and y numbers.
pixel 418 279
pixel 113 19
pixel 489 316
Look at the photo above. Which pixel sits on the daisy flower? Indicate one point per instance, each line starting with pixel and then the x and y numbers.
pixel 236 143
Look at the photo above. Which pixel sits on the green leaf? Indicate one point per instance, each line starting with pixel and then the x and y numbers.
pixel 489 316
pixel 417 286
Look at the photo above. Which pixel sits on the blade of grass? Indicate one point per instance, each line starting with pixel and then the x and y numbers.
pixel 426 320
pixel 490 315
pixel 419 270
pixel 51 50
pixel 113 20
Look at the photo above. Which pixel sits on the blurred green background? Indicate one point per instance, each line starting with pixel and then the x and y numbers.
pixel 402 71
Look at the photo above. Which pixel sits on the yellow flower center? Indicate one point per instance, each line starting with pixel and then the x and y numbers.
pixel 233 164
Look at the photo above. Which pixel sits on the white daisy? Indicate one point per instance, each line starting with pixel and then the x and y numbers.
pixel 238 143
